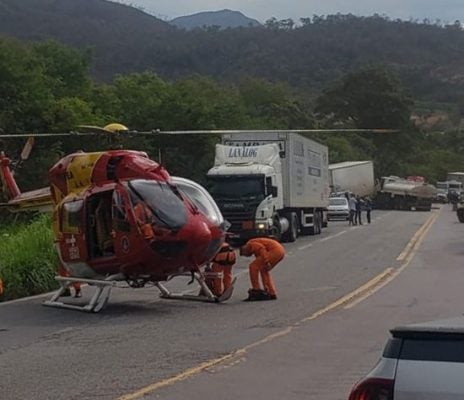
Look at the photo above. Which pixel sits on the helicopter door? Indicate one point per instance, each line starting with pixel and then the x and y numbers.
pixel 71 232
pixel 122 225
pixel 100 240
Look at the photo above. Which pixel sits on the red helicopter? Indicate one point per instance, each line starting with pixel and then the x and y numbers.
pixel 120 217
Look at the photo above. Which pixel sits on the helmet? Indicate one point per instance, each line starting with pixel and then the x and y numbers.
pixel 115 127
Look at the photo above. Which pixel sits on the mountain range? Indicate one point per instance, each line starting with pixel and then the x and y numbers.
pixel 429 58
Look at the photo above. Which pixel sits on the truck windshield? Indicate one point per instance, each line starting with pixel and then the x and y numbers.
pixel 338 202
pixel 165 204
pixel 442 185
pixel 236 187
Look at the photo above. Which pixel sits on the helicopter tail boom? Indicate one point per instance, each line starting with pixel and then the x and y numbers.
pixel 7 178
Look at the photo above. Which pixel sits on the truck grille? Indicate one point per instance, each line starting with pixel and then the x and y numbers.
pixel 237 215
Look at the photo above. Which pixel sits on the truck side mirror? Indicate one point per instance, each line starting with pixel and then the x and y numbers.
pixel 273 191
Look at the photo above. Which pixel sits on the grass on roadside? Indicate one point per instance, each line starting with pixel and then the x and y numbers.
pixel 28 260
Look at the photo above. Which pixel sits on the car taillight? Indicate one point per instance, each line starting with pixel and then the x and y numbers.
pixel 373 389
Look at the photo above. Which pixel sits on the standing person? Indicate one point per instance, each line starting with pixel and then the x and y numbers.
pixel 352 202
pixel 221 270
pixel 268 253
pixel 359 207
pixel 368 208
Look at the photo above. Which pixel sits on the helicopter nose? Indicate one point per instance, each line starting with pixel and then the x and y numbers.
pixel 204 244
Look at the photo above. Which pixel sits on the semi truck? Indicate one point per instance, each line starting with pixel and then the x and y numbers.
pixel 271 184
pixel 456 176
pixel 352 176
pixel 401 194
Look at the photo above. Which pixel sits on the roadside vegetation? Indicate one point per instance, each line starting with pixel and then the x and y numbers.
pixel 28 260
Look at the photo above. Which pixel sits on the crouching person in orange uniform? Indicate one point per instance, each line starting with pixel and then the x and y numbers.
pixel 221 270
pixel 268 253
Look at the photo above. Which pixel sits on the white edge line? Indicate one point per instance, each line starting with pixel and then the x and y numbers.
pixel 22 299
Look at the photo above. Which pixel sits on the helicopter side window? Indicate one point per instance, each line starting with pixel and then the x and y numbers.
pixel 71 216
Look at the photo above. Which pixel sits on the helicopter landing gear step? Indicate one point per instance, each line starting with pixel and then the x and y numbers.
pixel 207 297
pixel 96 303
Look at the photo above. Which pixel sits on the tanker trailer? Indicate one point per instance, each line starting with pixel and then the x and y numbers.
pixel 400 194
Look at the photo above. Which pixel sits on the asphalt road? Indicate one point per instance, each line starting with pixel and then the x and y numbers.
pixel 307 344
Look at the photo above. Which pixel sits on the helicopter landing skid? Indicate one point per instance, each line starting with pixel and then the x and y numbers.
pixel 96 303
pixel 205 296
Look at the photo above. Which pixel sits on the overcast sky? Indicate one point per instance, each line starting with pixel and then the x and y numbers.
pixel 445 10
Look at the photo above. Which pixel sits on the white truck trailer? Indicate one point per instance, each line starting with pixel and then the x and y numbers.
pixel 455 176
pixel 271 183
pixel 352 176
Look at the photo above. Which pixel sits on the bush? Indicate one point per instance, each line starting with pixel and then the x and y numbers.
pixel 28 260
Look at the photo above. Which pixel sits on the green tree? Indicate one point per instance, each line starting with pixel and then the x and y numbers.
pixel 371 98
pixel 25 93
pixel 273 106
pixel 67 69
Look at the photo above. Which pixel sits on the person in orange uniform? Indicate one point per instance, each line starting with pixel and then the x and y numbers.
pixel 268 253
pixel 144 217
pixel 221 269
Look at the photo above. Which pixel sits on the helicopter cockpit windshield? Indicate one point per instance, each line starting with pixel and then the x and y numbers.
pixel 165 204
pixel 200 198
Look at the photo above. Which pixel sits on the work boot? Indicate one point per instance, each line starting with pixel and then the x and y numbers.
pixel 254 295
pixel 272 297
pixel 257 295
pixel 78 293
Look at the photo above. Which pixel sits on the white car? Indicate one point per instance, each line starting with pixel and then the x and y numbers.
pixel 338 208
pixel 419 362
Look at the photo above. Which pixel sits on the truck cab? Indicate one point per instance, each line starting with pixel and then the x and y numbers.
pixel 271 184
pixel 248 192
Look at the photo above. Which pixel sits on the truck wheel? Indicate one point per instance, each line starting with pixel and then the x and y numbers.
pixel 276 232
pixel 319 223
pixel 325 221
pixel 460 213
pixel 292 233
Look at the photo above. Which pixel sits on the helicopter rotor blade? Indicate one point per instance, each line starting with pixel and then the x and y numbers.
pixel 26 152
pixel 92 130
pixel 259 131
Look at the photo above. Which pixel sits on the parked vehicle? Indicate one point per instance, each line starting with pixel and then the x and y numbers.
pixel 352 176
pixel 401 194
pixel 455 176
pixel 271 184
pixel 338 208
pixel 419 362
pixel 442 192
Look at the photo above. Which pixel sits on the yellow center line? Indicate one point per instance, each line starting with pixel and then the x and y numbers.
pixel 348 301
